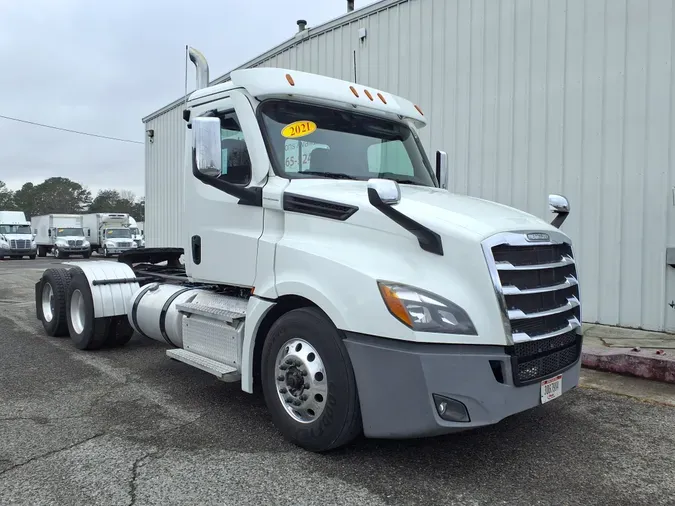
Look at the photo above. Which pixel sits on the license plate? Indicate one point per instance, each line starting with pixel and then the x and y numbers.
pixel 551 389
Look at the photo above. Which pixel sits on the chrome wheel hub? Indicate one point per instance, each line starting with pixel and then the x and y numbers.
pixel 301 381
pixel 47 302
pixel 77 311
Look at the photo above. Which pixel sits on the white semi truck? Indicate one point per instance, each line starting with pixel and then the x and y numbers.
pixel 61 235
pixel 351 288
pixel 136 232
pixel 108 233
pixel 16 238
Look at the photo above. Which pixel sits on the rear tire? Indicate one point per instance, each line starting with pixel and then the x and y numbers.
pixel 42 251
pixel 119 332
pixel 327 369
pixel 87 332
pixel 54 289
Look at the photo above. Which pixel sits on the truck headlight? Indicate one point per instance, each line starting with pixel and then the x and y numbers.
pixel 423 311
pixel 85 244
pixel 4 244
pixel 33 245
pixel 63 244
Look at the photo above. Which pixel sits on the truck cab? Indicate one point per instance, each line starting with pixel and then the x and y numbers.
pixel 16 236
pixel 327 265
pixel 136 233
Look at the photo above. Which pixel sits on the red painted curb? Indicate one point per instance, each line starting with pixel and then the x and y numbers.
pixel 642 364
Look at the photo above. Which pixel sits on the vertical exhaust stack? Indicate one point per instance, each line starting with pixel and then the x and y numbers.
pixel 202 67
pixel 302 25
pixel 350 5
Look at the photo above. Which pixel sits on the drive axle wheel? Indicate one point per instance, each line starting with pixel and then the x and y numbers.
pixel 87 332
pixel 51 298
pixel 308 381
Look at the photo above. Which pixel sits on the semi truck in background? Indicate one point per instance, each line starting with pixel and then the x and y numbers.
pixel 136 232
pixel 108 233
pixel 16 238
pixel 334 282
pixel 60 234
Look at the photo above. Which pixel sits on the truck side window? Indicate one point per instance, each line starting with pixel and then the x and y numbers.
pixel 235 159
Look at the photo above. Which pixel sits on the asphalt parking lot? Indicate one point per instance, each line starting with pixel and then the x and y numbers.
pixel 129 426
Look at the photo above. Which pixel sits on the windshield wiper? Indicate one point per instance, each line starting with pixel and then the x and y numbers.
pixel 331 175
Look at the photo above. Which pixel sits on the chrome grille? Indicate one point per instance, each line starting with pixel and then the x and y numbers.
pixel 74 243
pixel 19 244
pixel 124 245
pixel 538 292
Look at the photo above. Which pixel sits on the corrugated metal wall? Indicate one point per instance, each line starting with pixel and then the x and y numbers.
pixel 530 97
pixel 164 180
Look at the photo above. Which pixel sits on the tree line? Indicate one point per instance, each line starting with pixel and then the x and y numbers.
pixel 61 195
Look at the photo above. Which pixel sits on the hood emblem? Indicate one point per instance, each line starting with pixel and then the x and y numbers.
pixel 537 236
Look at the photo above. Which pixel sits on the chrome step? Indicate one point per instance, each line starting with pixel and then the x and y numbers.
pixel 221 371
pixel 216 313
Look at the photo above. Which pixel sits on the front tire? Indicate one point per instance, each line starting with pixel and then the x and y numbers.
pixel 57 252
pixel 32 257
pixel 308 381
pixel 86 255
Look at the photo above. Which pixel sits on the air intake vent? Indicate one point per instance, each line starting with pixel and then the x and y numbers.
pixel 318 207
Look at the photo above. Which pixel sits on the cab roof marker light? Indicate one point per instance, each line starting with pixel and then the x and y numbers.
pixel 356 93
pixel 290 80
pixel 418 109
pixel 382 98
pixel 368 95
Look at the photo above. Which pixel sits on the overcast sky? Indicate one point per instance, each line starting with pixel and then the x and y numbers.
pixel 101 66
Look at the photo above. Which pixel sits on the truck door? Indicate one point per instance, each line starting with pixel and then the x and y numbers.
pixel 222 234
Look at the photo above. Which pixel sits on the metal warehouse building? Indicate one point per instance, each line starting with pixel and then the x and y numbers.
pixel 528 97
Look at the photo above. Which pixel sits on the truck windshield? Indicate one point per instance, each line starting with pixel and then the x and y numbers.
pixel 308 140
pixel 63 232
pixel 15 229
pixel 118 233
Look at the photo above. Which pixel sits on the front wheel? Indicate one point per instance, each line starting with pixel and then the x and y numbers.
pixel 105 252
pixel 86 254
pixel 57 252
pixel 308 381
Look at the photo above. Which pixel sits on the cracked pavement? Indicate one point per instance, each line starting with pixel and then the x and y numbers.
pixel 129 426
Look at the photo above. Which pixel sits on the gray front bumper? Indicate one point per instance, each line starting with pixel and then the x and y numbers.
pixel 17 252
pixel 396 381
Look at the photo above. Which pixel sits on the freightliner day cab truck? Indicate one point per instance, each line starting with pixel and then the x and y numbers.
pixel 136 234
pixel 348 285
pixel 16 238
pixel 62 235
pixel 108 233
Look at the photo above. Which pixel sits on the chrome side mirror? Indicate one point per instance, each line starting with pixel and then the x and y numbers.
pixel 206 146
pixel 559 205
pixel 385 190
pixel 442 169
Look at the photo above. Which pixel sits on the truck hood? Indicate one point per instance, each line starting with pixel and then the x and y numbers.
pixel 436 208
pixel 70 238
pixel 21 237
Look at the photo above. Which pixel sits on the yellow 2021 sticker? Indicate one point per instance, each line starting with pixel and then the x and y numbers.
pixel 298 129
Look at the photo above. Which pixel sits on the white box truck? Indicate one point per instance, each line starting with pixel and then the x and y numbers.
pixel 16 237
pixel 352 288
pixel 60 234
pixel 108 233
pixel 136 232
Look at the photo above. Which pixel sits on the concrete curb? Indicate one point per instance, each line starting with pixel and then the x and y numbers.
pixel 642 364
